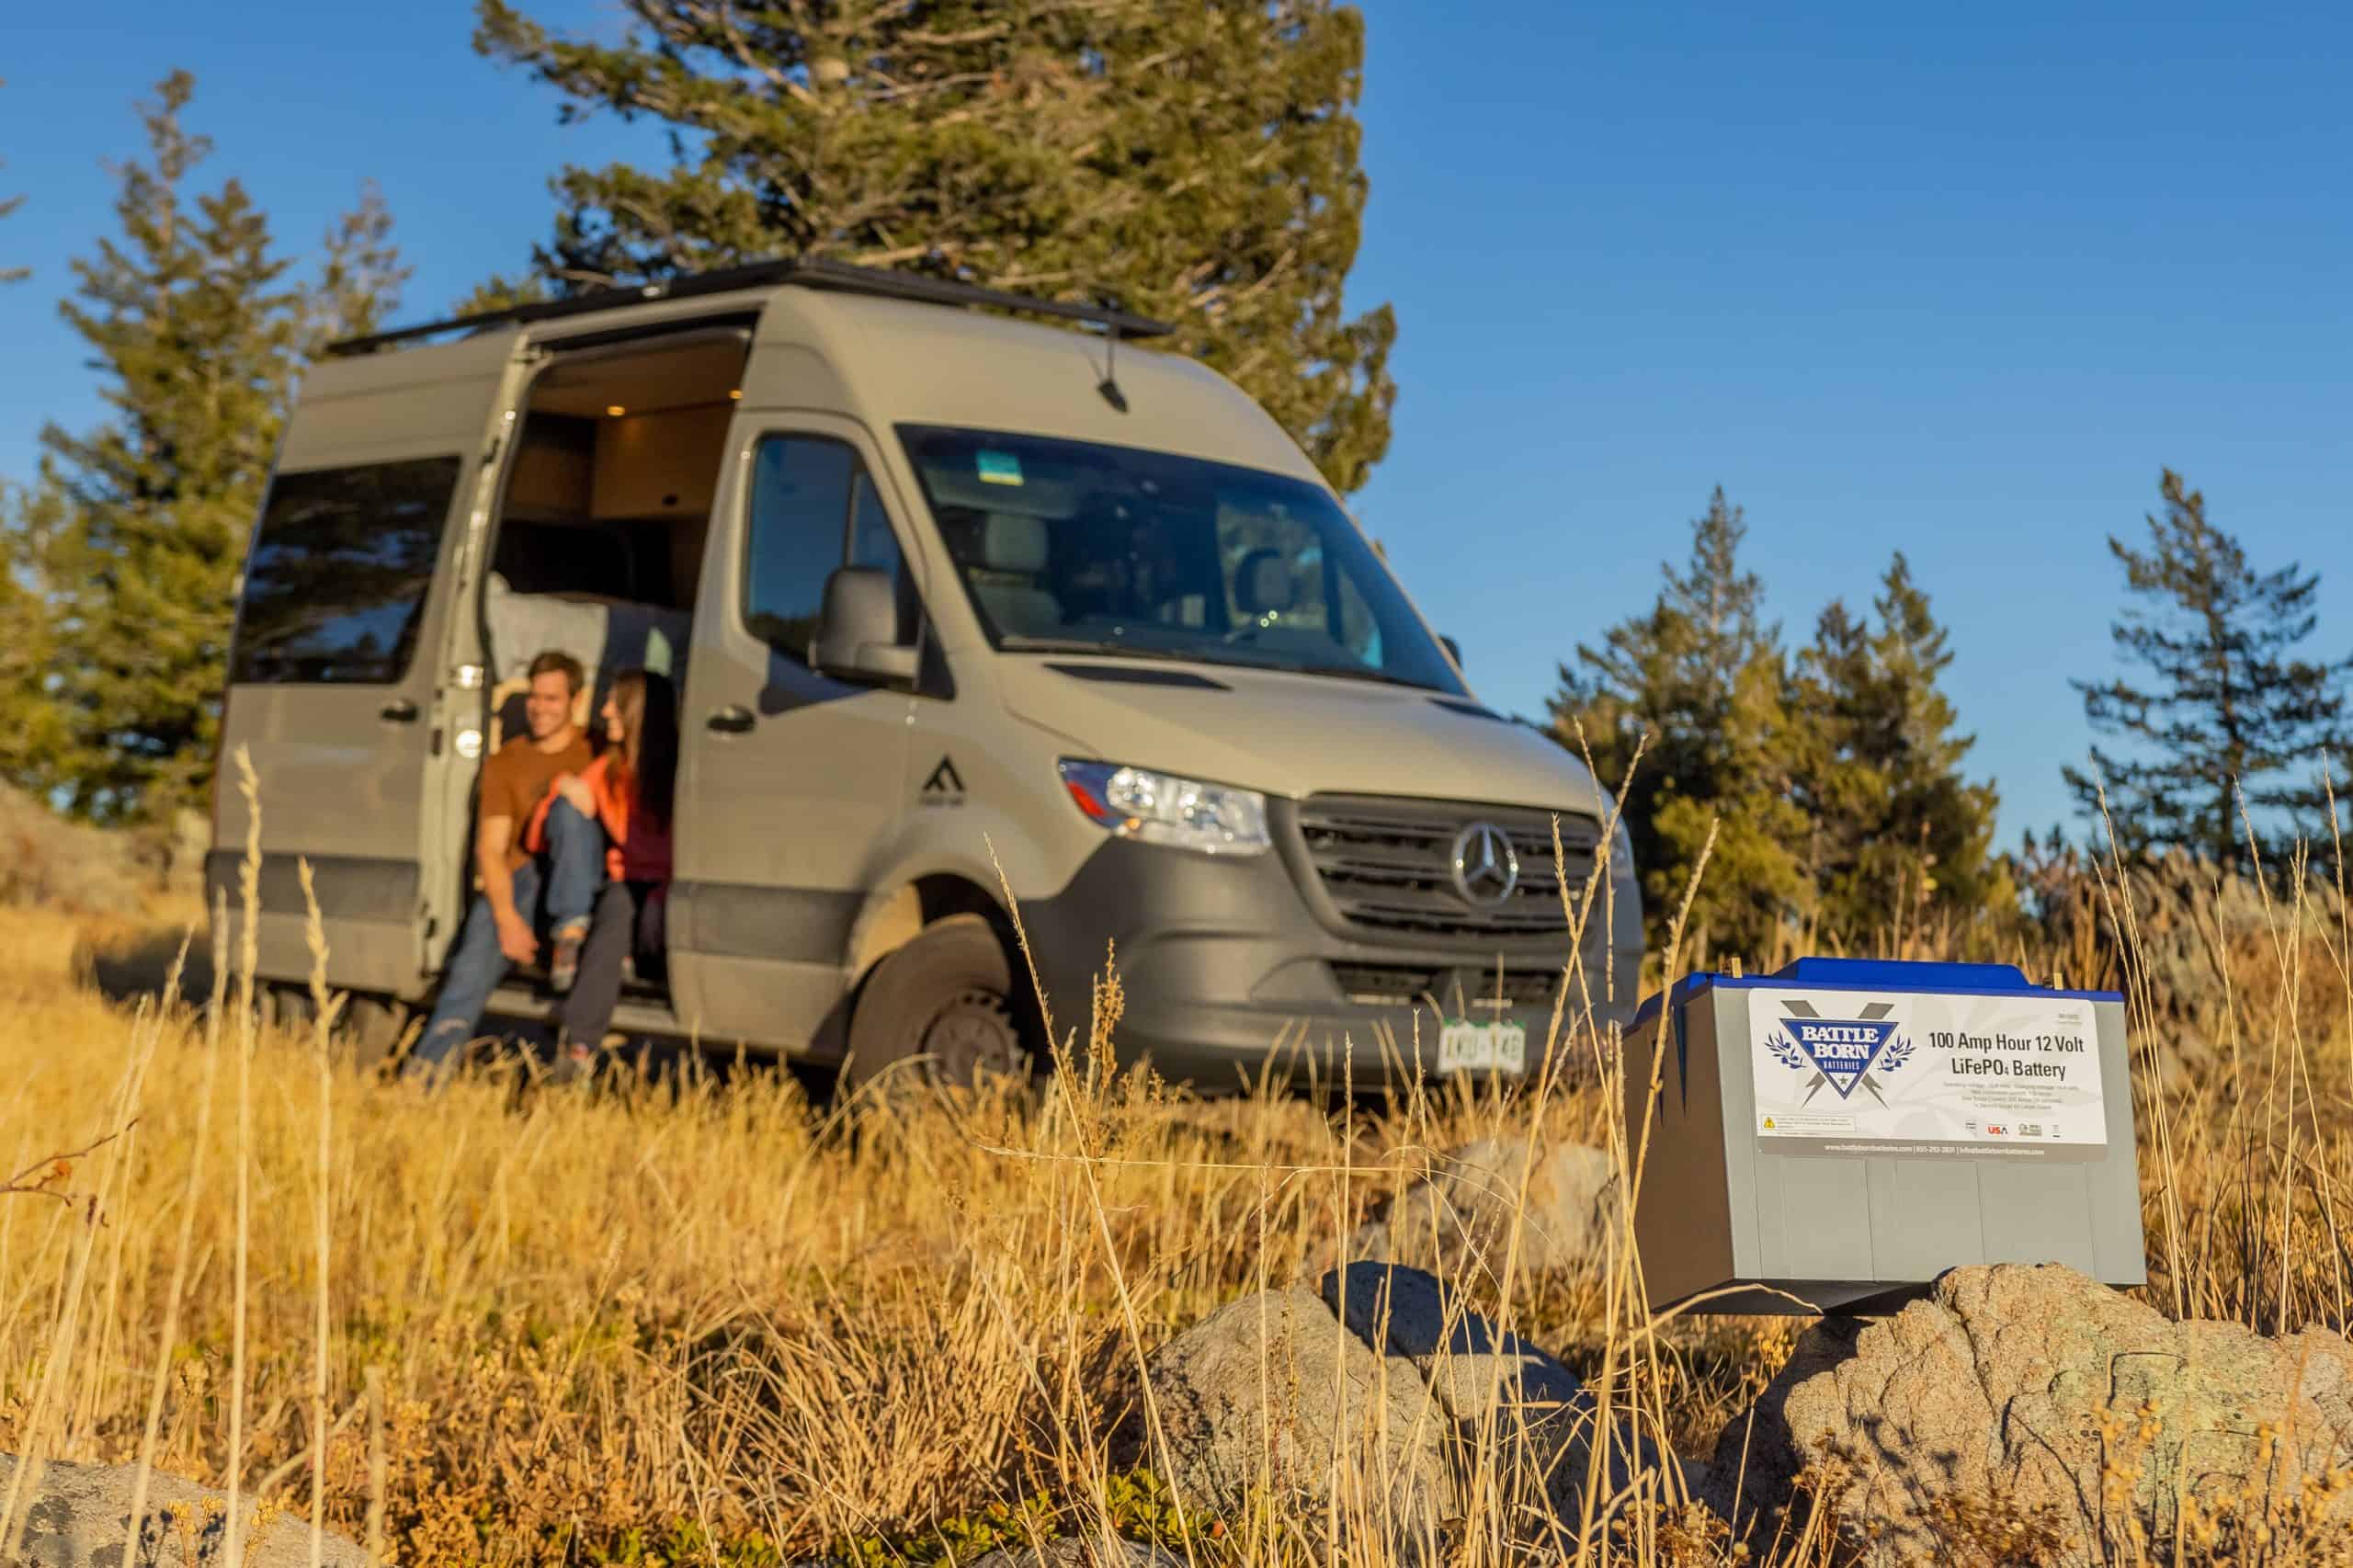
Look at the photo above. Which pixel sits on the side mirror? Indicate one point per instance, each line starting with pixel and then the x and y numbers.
pixel 1453 650
pixel 857 628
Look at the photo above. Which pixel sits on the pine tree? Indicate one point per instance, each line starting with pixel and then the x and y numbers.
pixel 27 720
pixel 1198 162
pixel 189 321
pixel 32 723
pixel 1702 676
pixel 2230 708
pixel 360 274
pixel 126 556
pixel 1897 834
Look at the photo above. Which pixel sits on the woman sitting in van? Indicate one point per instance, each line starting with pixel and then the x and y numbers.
pixel 628 792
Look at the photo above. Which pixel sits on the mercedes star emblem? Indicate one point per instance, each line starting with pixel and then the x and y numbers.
pixel 1486 867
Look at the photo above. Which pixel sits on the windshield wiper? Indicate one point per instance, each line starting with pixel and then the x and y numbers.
pixel 1361 672
pixel 1017 644
pixel 1089 645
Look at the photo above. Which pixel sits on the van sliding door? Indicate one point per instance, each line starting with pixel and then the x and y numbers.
pixel 343 682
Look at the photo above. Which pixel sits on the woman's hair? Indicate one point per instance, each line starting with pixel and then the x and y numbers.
pixel 649 756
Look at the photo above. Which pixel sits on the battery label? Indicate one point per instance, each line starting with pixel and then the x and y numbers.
pixel 1866 1069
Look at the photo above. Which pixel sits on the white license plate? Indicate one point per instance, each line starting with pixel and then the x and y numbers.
pixel 1483 1048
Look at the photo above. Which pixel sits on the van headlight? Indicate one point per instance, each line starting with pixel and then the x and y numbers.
pixel 1621 853
pixel 1160 808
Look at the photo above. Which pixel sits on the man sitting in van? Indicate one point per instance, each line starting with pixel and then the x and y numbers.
pixel 502 928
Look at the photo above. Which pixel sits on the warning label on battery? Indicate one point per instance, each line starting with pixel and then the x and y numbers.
pixel 1865 1069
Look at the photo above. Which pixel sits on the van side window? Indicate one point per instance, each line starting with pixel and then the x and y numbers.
pixel 814 509
pixel 800 488
pixel 341 565
pixel 871 542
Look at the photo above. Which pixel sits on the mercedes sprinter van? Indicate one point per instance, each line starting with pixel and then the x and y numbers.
pixel 978 613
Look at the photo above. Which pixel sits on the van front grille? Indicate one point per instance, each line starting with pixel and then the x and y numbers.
pixel 1387 984
pixel 1469 988
pixel 1388 865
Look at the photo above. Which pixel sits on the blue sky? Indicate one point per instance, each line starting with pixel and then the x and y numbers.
pixel 1954 281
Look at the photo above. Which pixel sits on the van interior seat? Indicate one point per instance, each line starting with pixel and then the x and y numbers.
pixel 606 635
pixel 1014 551
pixel 1263 584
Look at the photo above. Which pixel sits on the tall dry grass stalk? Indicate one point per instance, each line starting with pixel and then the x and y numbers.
pixel 200 1142
pixel 248 1018
pixel 701 1320
pixel 324 1007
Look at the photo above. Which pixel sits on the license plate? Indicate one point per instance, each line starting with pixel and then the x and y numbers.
pixel 1483 1048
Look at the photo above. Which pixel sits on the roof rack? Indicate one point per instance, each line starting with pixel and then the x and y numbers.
pixel 812 272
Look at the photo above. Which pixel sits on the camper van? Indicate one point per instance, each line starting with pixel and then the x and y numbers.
pixel 985 617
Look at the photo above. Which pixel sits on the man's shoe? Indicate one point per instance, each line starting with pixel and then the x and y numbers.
pixel 564 967
pixel 574 1064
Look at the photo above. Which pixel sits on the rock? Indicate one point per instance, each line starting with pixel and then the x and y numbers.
pixel 78 1516
pixel 1383 1391
pixel 1514 1409
pixel 1073 1552
pixel 1997 1387
pixel 1458 1220
pixel 1467 1364
pixel 1270 1394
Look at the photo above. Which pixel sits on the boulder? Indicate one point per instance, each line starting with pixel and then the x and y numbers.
pixel 1381 1389
pixel 1457 1221
pixel 78 1516
pixel 1270 1393
pixel 1516 1414
pixel 2053 1395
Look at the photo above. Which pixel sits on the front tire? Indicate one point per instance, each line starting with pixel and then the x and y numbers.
pixel 940 1012
pixel 364 1031
pixel 372 1026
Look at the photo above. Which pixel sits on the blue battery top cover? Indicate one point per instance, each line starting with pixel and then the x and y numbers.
pixel 1866 974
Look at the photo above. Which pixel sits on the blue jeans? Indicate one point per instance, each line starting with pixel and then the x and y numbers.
pixel 559 886
pixel 576 858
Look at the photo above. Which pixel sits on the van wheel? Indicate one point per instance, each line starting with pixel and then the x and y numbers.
pixel 364 1031
pixel 286 1009
pixel 945 998
pixel 371 1027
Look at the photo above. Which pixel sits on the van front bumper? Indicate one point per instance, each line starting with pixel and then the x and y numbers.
pixel 1226 971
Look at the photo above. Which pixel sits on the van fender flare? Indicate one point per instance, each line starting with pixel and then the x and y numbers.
pixel 921 895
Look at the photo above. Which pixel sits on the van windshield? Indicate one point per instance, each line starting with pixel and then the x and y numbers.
pixel 1070 546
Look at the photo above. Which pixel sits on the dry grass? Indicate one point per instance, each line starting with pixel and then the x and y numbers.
pixel 52 862
pixel 707 1322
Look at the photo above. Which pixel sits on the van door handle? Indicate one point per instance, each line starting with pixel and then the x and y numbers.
pixel 733 720
pixel 399 710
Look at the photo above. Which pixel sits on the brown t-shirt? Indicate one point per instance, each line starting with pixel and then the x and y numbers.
pixel 514 780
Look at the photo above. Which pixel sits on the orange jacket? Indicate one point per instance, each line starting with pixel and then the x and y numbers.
pixel 612 811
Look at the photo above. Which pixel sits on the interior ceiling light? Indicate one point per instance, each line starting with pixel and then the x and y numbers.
pixel 615 410
pixel 734 391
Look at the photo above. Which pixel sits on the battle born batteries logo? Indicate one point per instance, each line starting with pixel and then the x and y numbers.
pixel 1841 1053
